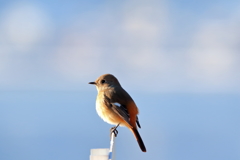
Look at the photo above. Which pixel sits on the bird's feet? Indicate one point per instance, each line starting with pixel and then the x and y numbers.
pixel 114 131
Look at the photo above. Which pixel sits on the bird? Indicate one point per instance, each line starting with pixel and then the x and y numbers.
pixel 115 106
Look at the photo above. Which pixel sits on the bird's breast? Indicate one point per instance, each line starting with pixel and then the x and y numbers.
pixel 106 113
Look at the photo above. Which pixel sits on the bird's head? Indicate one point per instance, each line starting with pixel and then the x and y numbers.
pixel 106 81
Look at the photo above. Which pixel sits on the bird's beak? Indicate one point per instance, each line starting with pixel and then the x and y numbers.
pixel 92 83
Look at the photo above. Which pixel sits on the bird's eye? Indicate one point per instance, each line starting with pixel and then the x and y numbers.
pixel 103 81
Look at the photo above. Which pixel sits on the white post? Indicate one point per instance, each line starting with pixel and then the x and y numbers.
pixel 99 154
pixel 111 155
pixel 104 153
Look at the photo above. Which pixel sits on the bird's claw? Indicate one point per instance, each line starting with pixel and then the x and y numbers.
pixel 114 131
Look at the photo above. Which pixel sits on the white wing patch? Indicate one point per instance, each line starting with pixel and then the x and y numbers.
pixel 117 104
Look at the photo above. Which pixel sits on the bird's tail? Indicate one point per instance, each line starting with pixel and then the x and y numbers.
pixel 139 139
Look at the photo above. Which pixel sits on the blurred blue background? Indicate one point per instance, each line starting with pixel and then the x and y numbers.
pixel 179 60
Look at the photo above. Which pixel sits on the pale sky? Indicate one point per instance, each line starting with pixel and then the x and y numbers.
pixel 173 47
pixel 178 59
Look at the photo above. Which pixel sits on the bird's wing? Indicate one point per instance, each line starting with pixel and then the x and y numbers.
pixel 137 121
pixel 122 111
pixel 118 108
pixel 118 103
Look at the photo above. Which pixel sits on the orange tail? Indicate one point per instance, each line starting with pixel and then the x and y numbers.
pixel 139 139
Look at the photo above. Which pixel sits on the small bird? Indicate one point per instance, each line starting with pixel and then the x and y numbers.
pixel 115 106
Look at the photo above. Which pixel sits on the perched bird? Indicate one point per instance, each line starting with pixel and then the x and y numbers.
pixel 115 106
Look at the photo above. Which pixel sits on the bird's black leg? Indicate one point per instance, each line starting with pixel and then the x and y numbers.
pixel 114 130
